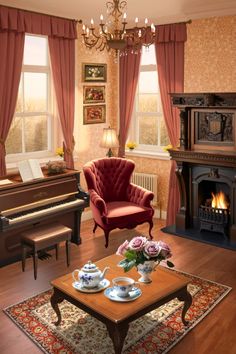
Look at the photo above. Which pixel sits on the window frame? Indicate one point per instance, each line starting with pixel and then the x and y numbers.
pixel 53 132
pixel 144 149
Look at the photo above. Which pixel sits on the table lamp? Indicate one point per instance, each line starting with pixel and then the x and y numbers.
pixel 109 140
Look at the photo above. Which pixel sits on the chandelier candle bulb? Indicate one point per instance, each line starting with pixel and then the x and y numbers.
pixel 136 20
pixel 101 18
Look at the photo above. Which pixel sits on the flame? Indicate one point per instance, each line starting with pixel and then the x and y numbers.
pixel 219 201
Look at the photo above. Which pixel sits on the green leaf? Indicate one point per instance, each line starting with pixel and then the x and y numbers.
pixel 130 255
pixel 129 265
pixel 170 264
pixel 123 262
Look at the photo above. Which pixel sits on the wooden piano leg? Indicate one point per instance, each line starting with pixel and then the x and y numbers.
pixel 24 253
pixel 35 259
pixel 68 252
pixel 57 250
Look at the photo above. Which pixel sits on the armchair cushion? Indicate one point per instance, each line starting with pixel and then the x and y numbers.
pixel 122 212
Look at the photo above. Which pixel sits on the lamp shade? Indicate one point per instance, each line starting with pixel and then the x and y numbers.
pixel 109 138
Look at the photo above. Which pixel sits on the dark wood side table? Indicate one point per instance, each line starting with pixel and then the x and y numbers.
pixel 166 285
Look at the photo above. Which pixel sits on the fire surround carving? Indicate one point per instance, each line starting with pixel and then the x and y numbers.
pixel 211 160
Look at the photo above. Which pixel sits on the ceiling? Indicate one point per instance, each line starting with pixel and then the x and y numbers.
pixel 157 11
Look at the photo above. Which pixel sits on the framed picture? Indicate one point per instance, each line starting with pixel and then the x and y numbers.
pixel 94 114
pixel 94 72
pixel 94 94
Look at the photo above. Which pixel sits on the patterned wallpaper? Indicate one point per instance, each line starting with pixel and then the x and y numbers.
pixel 88 136
pixel 210 55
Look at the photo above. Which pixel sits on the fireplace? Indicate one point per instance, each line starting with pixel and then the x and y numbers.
pixel 206 165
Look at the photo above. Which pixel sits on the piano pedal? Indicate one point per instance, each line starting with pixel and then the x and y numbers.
pixel 42 255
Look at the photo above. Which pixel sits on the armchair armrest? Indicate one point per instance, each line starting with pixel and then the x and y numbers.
pixel 98 202
pixel 139 195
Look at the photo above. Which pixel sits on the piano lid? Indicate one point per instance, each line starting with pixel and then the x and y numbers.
pixel 22 193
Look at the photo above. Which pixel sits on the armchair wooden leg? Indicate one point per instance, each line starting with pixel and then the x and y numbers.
pixel 150 228
pixel 106 238
pixel 95 226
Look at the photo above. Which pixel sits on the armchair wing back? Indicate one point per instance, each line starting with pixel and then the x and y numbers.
pixel 109 177
pixel 114 200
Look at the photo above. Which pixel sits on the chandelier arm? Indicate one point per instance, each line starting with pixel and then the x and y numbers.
pixel 93 33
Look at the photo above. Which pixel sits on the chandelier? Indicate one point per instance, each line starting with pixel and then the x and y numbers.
pixel 113 33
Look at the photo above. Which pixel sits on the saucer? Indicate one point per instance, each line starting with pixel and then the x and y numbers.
pixel 101 286
pixel 110 293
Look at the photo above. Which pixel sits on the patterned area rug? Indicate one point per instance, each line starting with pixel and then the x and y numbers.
pixel 156 332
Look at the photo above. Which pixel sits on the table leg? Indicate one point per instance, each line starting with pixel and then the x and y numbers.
pixel 55 300
pixel 187 298
pixel 118 333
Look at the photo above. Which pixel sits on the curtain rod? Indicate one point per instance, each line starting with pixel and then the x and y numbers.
pixel 78 21
pixel 41 13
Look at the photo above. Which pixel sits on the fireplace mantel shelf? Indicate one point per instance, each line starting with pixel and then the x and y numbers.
pixel 205 158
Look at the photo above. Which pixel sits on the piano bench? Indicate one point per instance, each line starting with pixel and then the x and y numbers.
pixel 42 237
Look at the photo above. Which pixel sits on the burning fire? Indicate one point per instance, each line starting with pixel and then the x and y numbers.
pixel 219 201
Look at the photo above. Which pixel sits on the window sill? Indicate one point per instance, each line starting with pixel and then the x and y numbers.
pixel 13 167
pixel 148 154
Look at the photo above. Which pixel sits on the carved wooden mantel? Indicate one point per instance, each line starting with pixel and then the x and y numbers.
pixel 208 146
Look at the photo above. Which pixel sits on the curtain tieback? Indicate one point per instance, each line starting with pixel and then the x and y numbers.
pixel 70 151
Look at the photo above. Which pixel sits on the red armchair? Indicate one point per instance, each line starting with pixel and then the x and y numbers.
pixel 115 202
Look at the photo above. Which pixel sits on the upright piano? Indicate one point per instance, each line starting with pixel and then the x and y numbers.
pixel 24 205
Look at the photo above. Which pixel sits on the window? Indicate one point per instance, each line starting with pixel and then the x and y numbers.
pixel 32 126
pixel 148 126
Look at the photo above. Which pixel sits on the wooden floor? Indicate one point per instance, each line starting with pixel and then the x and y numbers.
pixel 215 334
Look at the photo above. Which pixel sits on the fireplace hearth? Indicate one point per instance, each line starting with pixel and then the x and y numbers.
pixel 206 167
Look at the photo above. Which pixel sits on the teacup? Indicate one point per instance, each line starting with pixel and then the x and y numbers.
pixel 123 285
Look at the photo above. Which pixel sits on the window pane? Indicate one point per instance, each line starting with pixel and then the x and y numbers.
pixel 163 133
pixel 147 103
pixel 148 130
pixel 148 82
pixel 14 141
pixel 19 103
pixel 35 50
pixel 35 133
pixel 35 89
pixel 148 55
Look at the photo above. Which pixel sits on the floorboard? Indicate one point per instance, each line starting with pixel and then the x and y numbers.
pixel 215 334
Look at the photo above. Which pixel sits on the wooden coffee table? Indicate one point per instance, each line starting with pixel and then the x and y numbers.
pixel 165 286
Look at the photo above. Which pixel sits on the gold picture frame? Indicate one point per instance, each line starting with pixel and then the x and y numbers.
pixel 94 114
pixel 94 72
pixel 94 94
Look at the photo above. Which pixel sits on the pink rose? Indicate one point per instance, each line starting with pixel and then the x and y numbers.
pixel 137 243
pixel 152 249
pixel 122 248
pixel 165 250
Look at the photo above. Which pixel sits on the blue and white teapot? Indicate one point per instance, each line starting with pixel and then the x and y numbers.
pixel 89 276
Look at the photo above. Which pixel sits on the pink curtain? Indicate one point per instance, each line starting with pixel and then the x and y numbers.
pixel 62 34
pixel 11 49
pixel 170 65
pixel 129 73
pixel 62 52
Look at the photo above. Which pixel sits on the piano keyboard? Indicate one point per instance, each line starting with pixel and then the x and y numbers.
pixel 45 210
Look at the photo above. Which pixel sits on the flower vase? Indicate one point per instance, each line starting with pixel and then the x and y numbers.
pixel 145 271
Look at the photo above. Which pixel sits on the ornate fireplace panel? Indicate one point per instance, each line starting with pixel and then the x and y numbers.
pixel 214 128
pixel 206 162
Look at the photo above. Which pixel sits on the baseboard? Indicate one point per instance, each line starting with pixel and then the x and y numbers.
pixel 87 215
pixel 160 214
